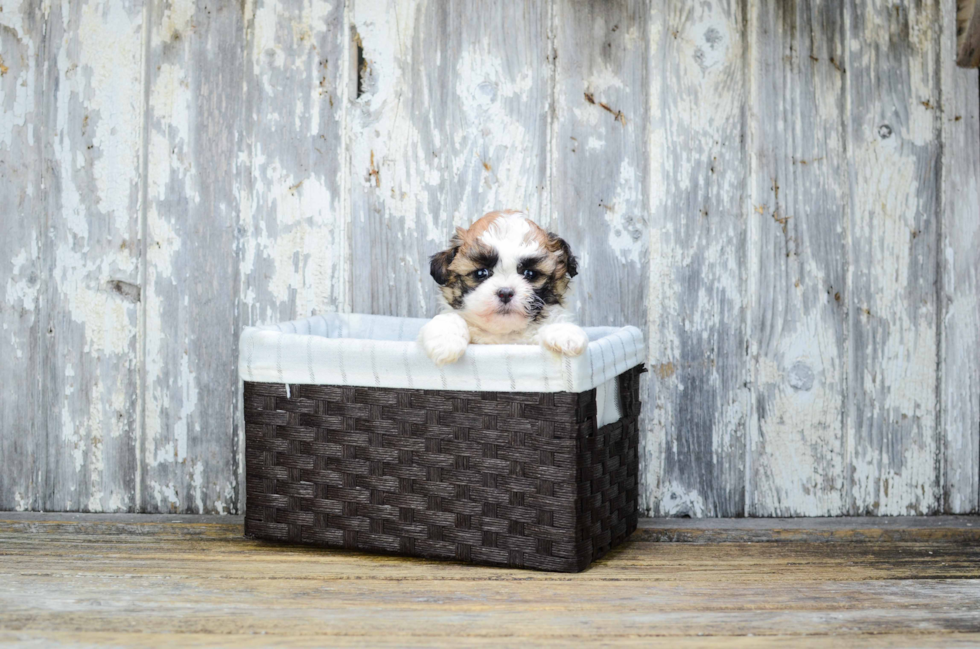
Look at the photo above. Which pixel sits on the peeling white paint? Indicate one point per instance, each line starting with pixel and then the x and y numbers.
pixel 95 458
pixel 177 21
pixel 295 242
pixel 796 208
pixel 695 298
pixel 405 183
pixel 492 138
pixel 306 229
pixel 170 105
pixel 17 110
pixel 798 447
pixel 23 503
pixel 164 446
pixel 118 502
pixel 899 372
pixel 71 437
pixel 197 484
pixel 165 496
pixel 675 500
pixel 627 228
pixel 109 322
pixel 162 247
pixel 95 136
pixel 226 495
pixel 188 405
pixel 23 283
pixel 893 440
pixel 960 327
pixel 266 49
pixel 115 106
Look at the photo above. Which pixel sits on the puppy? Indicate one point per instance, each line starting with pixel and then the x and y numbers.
pixel 502 281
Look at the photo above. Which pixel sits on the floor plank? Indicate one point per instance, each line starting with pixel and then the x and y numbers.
pixel 677 530
pixel 140 582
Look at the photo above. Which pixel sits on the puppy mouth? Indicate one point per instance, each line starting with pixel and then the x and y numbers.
pixel 509 308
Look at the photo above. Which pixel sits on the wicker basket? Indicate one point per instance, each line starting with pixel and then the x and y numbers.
pixel 506 478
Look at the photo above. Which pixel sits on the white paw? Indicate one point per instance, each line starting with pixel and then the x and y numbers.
pixel 564 338
pixel 444 338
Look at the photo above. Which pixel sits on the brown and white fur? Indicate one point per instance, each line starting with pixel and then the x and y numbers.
pixel 502 281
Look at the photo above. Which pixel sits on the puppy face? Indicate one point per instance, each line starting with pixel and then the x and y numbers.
pixel 504 272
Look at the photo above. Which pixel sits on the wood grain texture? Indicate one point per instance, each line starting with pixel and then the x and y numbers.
pixel 966 27
pixel 293 229
pixel 173 526
pixel 839 529
pixel 835 530
pixel 894 167
pixel 188 446
pixel 796 260
pixel 204 639
pixel 600 156
pixel 22 196
pixel 245 593
pixel 959 251
pixel 500 81
pixel 400 152
pixel 695 445
pixel 91 251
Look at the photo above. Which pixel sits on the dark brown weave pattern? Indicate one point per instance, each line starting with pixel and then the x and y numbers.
pixel 503 478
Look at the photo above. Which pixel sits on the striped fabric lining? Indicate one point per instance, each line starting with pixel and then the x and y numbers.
pixel 380 351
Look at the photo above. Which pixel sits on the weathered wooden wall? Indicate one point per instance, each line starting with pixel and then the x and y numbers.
pixel 785 195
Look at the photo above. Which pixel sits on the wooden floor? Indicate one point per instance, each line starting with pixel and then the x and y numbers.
pixel 176 581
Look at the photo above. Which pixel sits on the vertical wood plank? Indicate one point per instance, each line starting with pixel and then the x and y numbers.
pixel 294 229
pixel 694 451
pixel 498 67
pixel 960 300
pixel 894 154
pixel 600 156
pixel 22 197
pixel 194 114
pixel 796 260
pixel 90 377
pixel 400 146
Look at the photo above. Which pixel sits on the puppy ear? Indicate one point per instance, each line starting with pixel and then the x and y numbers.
pixel 568 260
pixel 439 265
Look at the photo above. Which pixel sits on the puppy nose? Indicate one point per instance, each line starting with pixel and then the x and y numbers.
pixel 505 294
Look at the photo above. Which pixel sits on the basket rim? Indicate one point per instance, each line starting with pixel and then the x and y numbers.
pixel 381 351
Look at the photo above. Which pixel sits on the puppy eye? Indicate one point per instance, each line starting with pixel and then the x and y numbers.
pixel 529 274
pixel 481 273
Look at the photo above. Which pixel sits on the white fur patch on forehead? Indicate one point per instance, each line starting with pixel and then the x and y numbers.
pixel 511 236
pixel 507 227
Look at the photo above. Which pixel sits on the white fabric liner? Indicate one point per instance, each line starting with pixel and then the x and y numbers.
pixel 382 352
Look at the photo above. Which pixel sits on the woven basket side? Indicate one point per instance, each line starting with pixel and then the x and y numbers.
pixel 485 477
pixel 514 479
pixel 608 475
